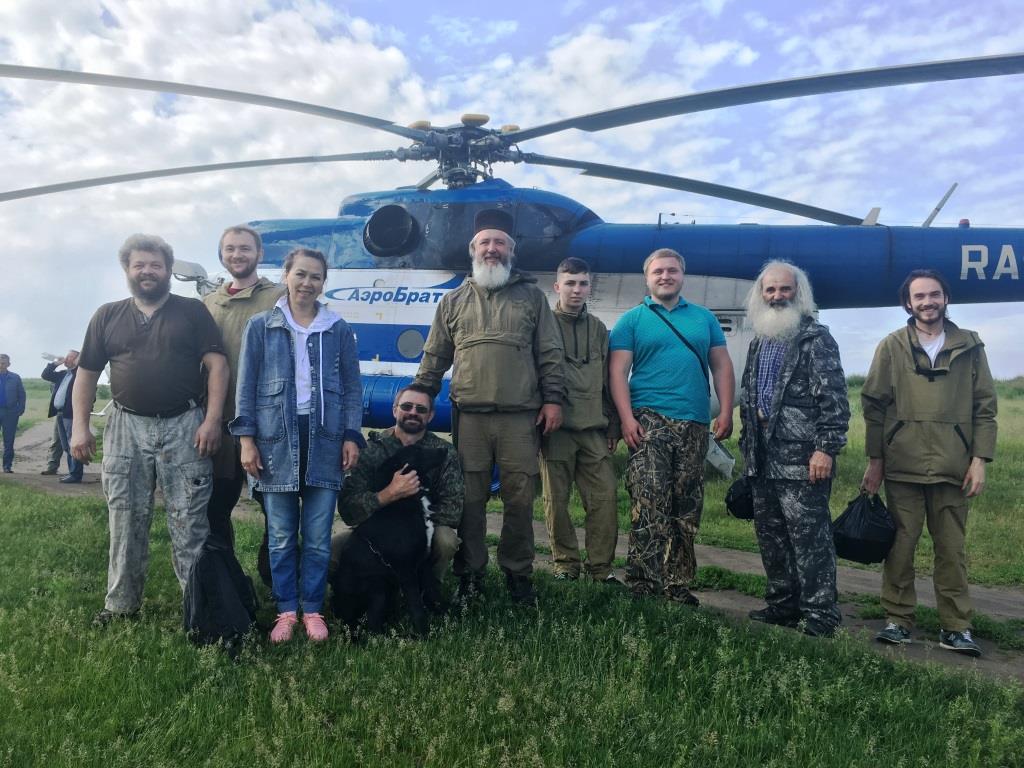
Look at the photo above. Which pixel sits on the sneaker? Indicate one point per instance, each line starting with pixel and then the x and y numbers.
pixel 772 615
pixel 315 626
pixel 961 642
pixel 284 626
pixel 566 576
pixel 612 581
pixel 70 479
pixel 521 590
pixel 894 634
pixel 815 628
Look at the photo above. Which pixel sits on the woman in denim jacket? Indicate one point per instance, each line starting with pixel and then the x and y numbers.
pixel 299 409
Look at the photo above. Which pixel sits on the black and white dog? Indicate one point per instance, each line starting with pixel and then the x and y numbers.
pixel 391 549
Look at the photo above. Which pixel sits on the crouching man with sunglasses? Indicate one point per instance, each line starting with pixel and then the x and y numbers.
pixel 930 415
pixel 413 409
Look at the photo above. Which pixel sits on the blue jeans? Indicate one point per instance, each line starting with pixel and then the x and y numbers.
pixel 64 430
pixel 286 517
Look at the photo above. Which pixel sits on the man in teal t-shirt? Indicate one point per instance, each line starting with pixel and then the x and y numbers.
pixel 661 389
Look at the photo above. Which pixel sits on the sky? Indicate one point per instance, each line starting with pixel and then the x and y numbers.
pixel 525 63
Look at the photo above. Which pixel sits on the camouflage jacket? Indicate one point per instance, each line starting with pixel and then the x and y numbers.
pixel 810 409
pixel 357 500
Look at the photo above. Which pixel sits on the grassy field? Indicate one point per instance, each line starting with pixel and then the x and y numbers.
pixel 37 396
pixel 592 678
pixel 995 533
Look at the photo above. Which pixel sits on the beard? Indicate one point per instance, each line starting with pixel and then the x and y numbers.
pixel 775 322
pixel 491 277
pixel 412 425
pixel 241 272
pixel 158 291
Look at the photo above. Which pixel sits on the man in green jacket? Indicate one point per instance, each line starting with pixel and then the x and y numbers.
pixel 507 389
pixel 413 410
pixel 930 414
pixel 232 304
pixel 581 450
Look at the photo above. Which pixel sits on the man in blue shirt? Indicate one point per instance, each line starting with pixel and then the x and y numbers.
pixel 12 405
pixel 660 353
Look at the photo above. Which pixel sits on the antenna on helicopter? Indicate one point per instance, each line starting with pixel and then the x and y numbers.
pixel 942 202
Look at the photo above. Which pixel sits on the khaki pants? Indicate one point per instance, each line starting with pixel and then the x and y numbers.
pixel 944 507
pixel 510 441
pixel 581 456
pixel 138 453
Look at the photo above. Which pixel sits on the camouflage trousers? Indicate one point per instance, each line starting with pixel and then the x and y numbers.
pixel 665 480
pixel 794 533
pixel 138 453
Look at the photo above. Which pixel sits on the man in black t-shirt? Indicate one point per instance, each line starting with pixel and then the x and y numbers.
pixel 157 345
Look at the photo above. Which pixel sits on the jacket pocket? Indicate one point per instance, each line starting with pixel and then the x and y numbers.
pixel 332 420
pixel 270 411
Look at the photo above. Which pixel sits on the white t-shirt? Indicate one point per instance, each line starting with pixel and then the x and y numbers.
pixel 933 347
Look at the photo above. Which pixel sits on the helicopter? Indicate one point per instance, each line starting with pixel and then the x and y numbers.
pixel 394 254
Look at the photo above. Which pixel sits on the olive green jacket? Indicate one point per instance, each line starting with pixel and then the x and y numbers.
pixel 504 345
pixel 588 401
pixel 927 422
pixel 231 313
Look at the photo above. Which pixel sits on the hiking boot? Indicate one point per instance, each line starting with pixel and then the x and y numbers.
pixel 471 588
pixel 815 628
pixel 284 627
pixel 520 588
pixel 683 596
pixel 315 626
pixel 105 617
pixel 894 634
pixel 961 642
pixel 49 471
pixel 772 615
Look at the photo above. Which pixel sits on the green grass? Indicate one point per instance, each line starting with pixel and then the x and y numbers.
pixel 995 535
pixel 592 678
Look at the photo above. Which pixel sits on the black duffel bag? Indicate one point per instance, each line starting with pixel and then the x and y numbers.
pixel 219 604
pixel 739 499
pixel 865 531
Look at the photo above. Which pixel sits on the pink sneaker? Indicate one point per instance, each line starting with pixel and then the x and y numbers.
pixel 284 626
pixel 316 628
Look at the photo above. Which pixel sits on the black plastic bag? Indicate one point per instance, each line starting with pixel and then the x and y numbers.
pixel 865 531
pixel 739 499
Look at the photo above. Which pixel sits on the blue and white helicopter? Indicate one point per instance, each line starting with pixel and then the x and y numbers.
pixel 394 254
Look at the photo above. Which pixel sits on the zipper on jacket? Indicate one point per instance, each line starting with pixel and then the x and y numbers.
pixel 962 436
pixel 892 433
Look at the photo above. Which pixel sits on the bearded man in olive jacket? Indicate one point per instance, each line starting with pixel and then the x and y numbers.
pixel 507 389
pixel 930 416
pixel 794 415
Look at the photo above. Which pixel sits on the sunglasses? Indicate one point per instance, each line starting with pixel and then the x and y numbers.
pixel 407 407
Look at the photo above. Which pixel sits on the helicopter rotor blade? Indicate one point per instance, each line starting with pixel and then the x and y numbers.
pixel 166 86
pixel 697 187
pixel 879 77
pixel 100 181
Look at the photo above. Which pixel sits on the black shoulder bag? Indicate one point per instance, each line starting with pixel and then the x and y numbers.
pixel 689 346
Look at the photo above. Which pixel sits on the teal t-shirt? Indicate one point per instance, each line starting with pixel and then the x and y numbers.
pixel 666 376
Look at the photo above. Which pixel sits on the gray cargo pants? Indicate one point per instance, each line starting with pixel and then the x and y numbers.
pixel 138 453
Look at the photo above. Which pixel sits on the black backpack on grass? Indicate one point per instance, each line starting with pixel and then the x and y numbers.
pixel 220 602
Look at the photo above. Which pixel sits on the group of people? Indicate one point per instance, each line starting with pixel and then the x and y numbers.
pixel 261 381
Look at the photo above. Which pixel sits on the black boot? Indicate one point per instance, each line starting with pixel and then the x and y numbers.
pixel 521 590
pixel 471 588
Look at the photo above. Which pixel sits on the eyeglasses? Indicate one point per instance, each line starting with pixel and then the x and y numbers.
pixel 407 407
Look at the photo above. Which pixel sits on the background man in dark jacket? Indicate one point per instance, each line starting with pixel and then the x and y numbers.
pixel 12 405
pixel 794 415
pixel 930 417
pixel 61 408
